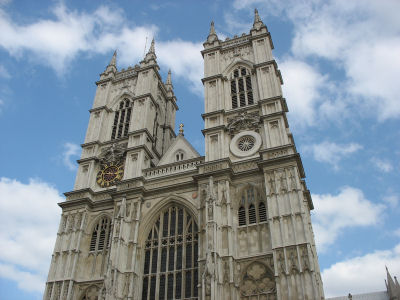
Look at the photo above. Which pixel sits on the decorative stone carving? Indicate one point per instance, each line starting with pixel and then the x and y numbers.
pixel 243 121
pixel 113 153
pixel 257 280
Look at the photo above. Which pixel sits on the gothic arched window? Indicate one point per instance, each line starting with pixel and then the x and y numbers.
pixel 241 88
pixel 252 209
pixel 101 235
pixel 122 119
pixel 179 155
pixel 170 259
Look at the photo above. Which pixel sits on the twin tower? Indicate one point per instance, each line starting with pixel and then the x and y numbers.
pixel 150 218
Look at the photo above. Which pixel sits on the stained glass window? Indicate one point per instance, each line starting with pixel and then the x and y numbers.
pixel 172 256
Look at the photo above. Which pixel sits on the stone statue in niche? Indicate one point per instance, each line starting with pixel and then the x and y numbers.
pixel 292 181
pixel 282 181
pixel 122 209
pixel 292 261
pixel 208 273
pixel 281 263
pixel 271 184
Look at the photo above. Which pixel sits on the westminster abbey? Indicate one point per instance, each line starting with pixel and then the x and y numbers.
pixel 150 218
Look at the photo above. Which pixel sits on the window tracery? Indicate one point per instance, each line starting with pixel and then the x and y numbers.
pixel 241 88
pixel 122 119
pixel 101 235
pixel 170 260
pixel 252 209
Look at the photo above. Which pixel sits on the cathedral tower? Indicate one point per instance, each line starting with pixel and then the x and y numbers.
pixel 149 218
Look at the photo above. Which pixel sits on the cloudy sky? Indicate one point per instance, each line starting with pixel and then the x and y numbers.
pixel 340 62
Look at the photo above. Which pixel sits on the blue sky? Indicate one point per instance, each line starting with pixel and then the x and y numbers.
pixel 341 68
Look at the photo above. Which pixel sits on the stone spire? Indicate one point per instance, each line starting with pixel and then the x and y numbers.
pixel 112 66
pixel 168 83
pixel 151 54
pixel 113 61
pixel 152 50
pixel 257 20
pixel 212 36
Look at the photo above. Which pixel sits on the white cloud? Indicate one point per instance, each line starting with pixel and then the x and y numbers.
pixel 382 164
pixel 397 232
pixel 4 73
pixel 331 153
pixel 334 213
pixel 71 150
pixel 30 214
pixel 361 274
pixel 56 42
pixel 392 199
pixel 303 86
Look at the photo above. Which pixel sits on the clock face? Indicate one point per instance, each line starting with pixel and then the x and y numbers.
pixel 109 174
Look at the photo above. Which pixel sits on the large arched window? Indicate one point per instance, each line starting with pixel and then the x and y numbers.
pixel 101 235
pixel 241 88
pixel 252 209
pixel 122 119
pixel 170 260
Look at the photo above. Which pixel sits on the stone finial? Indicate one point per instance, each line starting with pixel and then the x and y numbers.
pixel 113 61
pixel 169 81
pixel 212 36
pixel 151 49
pixel 181 129
pixel 212 28
pixel 151 54
pixel 257 20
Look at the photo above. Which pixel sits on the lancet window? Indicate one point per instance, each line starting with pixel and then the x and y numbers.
pixel 122 118
pixel 241 88
pixel 170 260
pixel 101 235
pixel 252 209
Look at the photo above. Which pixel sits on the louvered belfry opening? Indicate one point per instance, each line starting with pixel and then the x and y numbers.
pixel 101 235
pixel 170 260
pixel 122 119
pixel 252 209
pixel 241 88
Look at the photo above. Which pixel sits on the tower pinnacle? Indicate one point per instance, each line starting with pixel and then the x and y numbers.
pixel 113 61
pixel 151 54
pixel 212 36
pixel 151 49
pixel 257 20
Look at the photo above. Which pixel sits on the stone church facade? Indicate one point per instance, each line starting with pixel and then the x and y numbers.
pixel 150 218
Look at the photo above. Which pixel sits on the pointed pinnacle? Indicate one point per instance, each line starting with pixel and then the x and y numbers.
pixel 113 61
pixel 256 16
pixel 152 50
pixel 169 81
pixel 212 28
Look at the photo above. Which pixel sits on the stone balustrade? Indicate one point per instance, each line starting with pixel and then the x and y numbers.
pixel 173 168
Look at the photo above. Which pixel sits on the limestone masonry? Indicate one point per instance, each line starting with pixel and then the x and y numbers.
pixel 149 218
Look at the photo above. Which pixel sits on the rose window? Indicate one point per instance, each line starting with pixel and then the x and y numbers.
pixel 246 143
